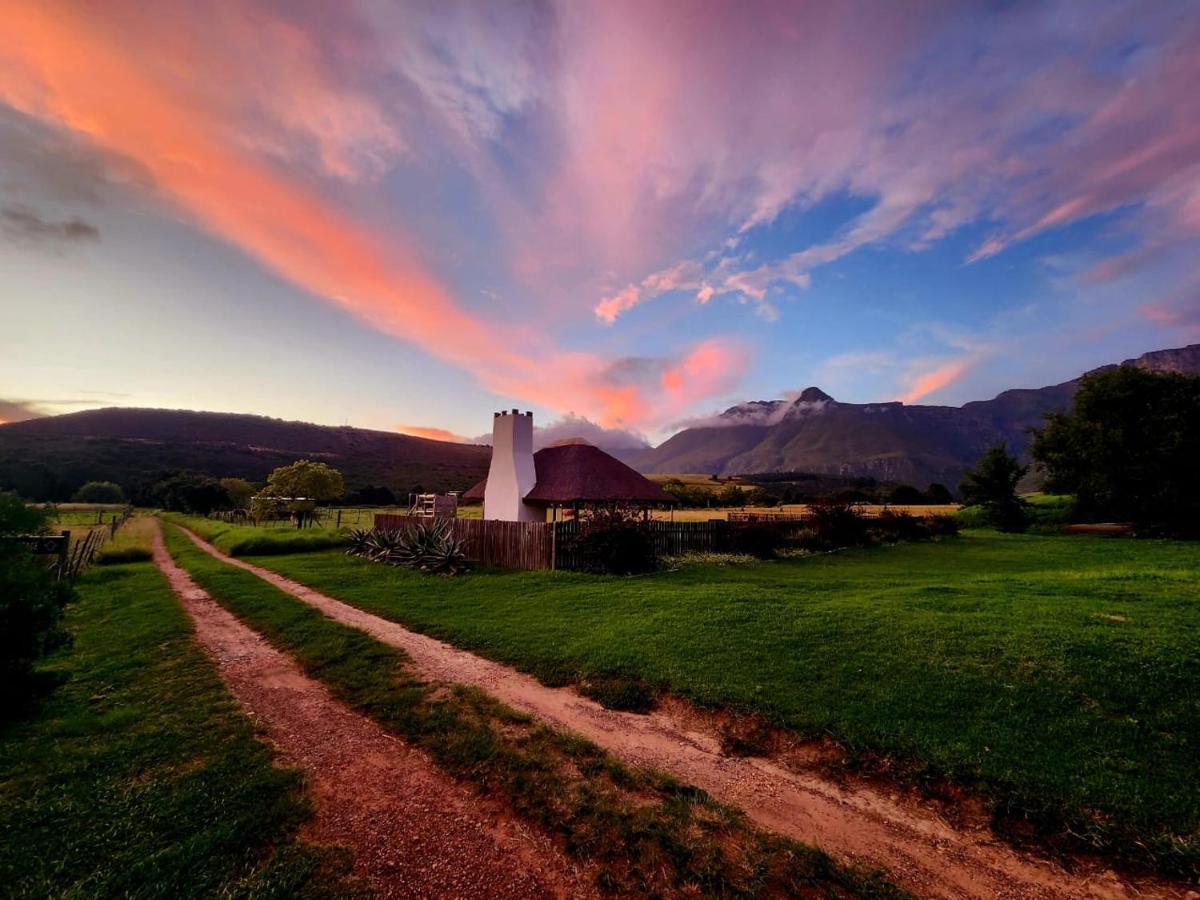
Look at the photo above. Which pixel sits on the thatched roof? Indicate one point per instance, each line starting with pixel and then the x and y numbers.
pixel 579 472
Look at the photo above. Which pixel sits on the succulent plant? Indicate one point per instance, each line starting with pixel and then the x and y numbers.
pixel 357 542
pixel 431 548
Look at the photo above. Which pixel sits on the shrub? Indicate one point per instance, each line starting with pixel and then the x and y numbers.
pixel 430 547
pixel 992 485
pixel 833 525
pixel 896 525
pixel 616 549
pixel 942 526
pixel 972 517
pixel 99 492
pixel 31 608
pixel 757 539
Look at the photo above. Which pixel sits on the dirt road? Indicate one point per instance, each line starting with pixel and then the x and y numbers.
pixel 414 832
pixel 860 824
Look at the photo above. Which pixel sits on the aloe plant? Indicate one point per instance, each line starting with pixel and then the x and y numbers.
pixel 431 548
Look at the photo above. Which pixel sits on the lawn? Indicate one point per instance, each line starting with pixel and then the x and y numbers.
pixel 642 833
pixel 140 776
pixel 255 540
pixel 1059 675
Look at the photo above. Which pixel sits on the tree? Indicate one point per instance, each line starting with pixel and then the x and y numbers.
pixel 190 493
pixel 906 495
pixel 732 495
pixel 938 493
pixel 239 491
pixel 305 483
pixel 992 485
pixel 100 492
pixel 305 478
pixel 31 607
pixel 373 495
pixel 1128 449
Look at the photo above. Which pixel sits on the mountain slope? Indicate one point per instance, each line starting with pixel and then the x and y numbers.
pixel 890 441
pixel 49 458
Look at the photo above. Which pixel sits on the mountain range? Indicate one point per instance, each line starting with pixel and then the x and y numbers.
pixel 49 458
pixel 912 444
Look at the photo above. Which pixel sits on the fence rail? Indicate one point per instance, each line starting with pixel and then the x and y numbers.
pixel 553 545
pixel 510 545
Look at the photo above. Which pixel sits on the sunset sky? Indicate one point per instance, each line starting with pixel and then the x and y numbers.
pixel 396 215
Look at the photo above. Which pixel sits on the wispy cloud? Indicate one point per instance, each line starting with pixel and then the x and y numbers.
pixel 71 68
pixel 21 223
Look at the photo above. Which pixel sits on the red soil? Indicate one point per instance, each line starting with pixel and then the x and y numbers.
pixel 414 832
pixel 857 823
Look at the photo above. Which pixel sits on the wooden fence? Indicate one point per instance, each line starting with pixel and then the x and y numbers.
pixel 552 545
pixel 510 545
pixel 70 557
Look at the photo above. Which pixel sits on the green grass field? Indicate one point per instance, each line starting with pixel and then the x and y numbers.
pixel 140 776
pixel 251 540
pixel 642 832
pixel 1061 676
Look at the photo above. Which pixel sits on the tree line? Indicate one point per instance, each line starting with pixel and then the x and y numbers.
pixel 1126 452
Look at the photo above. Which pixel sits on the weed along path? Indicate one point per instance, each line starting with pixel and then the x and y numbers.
pixel 859 823
pixel 413 831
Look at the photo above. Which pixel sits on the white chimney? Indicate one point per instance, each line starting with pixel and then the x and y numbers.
pixel 511 475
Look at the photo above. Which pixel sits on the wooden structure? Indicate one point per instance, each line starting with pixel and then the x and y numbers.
pixel 575 474
pixel 433 506
pixel 509 545
pixel 551 545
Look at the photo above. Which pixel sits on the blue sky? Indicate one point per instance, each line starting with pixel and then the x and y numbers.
pixel 406 216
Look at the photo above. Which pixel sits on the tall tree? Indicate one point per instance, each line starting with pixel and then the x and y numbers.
pixel 239 491
pixel 307 479
pixel 305 484
pixel 992 485
pixel 1128 450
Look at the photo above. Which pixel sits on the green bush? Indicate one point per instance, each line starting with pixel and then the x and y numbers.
pixel 616 549
pixel 100 492
pixel 757 539
pixel 895 525
pixel 31 608
pixel 833 525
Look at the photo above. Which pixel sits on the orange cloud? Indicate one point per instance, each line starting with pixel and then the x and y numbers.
pixel 433 434
pixel 935 380
pixel 74 68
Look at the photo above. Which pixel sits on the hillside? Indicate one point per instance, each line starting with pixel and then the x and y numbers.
pixel 49 458
pixel 889 441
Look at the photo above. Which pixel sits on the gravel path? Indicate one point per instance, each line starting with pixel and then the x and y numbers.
pixel 858 823
pixel 414 832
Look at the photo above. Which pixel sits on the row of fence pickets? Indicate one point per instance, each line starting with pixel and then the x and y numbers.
pixel 550 545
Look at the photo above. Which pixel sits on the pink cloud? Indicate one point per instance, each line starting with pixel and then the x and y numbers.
pixel 933 380
pixel 433 434
pixel 157 108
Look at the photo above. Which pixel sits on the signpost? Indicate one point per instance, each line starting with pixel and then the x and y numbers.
pixel 47 545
